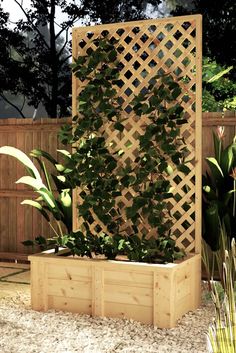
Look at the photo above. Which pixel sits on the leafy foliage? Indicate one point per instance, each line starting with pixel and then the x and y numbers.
pixel 49 204
pixel 111 11
pixel 96 167
pixel 218 49
pixel 34 56
pixel 219 28
pixel 222 334
pixel 37 65
pixel 219 92
pixel 150 250
pixel 117 247
pixel 219 192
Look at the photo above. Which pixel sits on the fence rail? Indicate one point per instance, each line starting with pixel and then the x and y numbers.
pixel 17 222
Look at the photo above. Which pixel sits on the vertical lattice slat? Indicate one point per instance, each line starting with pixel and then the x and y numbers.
pixel 146 48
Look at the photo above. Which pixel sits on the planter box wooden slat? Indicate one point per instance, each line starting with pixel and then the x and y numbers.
pixel 149 293
pixel 73 305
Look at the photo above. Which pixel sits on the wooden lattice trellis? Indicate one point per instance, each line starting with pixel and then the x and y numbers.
pixel 146 48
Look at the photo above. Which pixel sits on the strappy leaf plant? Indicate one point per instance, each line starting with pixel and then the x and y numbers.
pixel 219 191
pixel 222 333
pixel 53 205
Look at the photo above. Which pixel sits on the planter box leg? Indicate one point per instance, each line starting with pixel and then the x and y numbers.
pixel 163 313
pixel 39 297
pixel 97 291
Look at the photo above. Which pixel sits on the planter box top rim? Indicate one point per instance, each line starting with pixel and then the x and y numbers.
pixel 49 254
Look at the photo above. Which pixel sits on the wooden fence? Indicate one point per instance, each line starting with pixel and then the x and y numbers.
pixel 210 123
pixel 17 222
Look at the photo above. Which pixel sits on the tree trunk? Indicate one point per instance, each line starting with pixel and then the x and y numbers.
pixel 52 110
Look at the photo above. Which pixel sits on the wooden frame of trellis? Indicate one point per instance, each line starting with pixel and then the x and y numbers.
pixel 171 45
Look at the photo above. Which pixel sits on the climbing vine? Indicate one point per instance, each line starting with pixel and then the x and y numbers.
pixel 96 167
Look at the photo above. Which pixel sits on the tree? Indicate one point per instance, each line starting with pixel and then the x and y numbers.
pixel 36 66
pixel 38 69
pixel 111 11
pixel 9 59
pixel 219 92
pixel 219 28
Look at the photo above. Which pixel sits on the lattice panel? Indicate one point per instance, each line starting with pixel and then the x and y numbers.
pixel 146 48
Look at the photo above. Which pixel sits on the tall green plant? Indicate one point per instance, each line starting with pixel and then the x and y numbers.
pixel 53 205
pixel 213 260
pixel 219 192
pixel 218 90
pixel 222 333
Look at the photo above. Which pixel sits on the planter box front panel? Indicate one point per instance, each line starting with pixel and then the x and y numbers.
pixel 69 287
pixel 152 294
pixel 128 294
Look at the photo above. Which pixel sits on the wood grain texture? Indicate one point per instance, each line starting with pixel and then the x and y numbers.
pixel 210 123
pixel 149 47
pixel 153 294
pixel 17 222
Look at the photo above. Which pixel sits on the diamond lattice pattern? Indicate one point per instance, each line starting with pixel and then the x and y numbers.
pixel 145 49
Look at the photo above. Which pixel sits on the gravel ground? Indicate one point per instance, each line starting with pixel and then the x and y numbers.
pixel 23 330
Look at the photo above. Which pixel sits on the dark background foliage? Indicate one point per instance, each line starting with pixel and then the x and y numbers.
pixel 219 28
pixel 34 58
pixel 35 53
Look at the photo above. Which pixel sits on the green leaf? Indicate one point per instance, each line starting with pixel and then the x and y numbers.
pixel 66 198
pixel 228 196
pixel 140 202
pixel 98 123
pixel 34 183
pixel 184 169
pixel 41 153
pixel 155 101
pixel 112 55
pixel 22 157
pixel 118 126
pixel 82 103
pixel 83 209
pixel 41 240
pixel 176 92
pixel 169 169
pixel 125 181
pixel 215 169
pixel 144 108
pixel 220 74
pixel 64 240
pixel 131 212
pixel 209 192
pixel 79 61
pixel 212 226
pixel 228 158
pixel 217 147
pixel 65 153
pixel 60 167
pixel 62 178
pixel 91 199
pixel 48 198
pixel 28 243
pixel 38 206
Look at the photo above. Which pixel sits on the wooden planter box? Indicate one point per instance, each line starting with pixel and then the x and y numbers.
pixel 149 293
